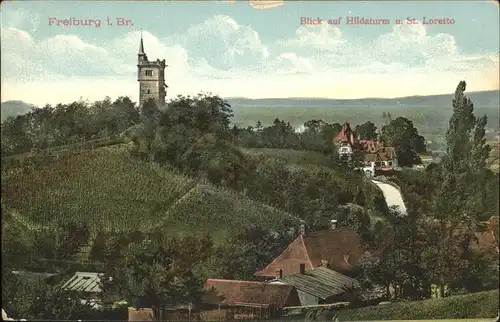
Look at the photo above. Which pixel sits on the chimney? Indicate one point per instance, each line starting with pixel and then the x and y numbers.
pixel 302 268
pixel 333 224
pixel 279 274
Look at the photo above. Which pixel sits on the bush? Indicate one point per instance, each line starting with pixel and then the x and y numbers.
pixel 475 305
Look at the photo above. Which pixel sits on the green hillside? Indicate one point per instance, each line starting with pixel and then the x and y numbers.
pixel 292 156
pixel 112 192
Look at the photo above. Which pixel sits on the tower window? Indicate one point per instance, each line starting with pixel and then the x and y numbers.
pixel 149 91
pixel 149 73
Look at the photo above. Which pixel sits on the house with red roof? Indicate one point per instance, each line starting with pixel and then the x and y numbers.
pixel 247 299
pixel 373 154
pixel 338 249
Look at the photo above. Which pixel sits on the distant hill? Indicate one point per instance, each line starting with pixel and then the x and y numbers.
pixel 481 99
pixel 429 113
pixel 14 108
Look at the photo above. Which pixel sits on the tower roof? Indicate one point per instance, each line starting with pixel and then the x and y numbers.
pixel 345 134
pixel 141 47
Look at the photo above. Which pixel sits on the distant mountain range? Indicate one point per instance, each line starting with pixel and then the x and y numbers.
pixel 488 99
pixel 14 108
pixel 484 99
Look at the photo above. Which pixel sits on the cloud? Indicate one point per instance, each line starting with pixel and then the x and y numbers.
pixel 290 63
pixel 220 55
pixel 405 46
pixel 224 43
pixel 24 58
pixel 324 37
pixel 21 19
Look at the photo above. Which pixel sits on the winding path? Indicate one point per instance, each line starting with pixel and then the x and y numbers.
pixel 392 196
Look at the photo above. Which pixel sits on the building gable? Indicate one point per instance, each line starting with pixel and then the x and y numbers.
pixel 338 249
pixel 289 260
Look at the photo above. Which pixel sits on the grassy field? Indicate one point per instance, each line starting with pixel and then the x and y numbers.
pixel 292 156
pixel 112 192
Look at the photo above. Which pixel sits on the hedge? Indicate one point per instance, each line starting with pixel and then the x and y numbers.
pixel 475 305
pixel 469 306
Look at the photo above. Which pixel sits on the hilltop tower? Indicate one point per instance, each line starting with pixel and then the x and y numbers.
pixel 151 77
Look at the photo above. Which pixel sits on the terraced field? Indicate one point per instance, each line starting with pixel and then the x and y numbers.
pixel 112 192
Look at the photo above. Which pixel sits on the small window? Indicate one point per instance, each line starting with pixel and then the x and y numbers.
pixel 149 91
pixel 149 73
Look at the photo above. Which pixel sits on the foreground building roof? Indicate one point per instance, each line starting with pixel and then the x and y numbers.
pixel 249 293
pixel 321 282
pixel 85 282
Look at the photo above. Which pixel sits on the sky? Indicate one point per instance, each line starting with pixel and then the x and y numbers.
pixel 234 50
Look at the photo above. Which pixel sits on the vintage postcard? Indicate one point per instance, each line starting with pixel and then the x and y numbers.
pixel 250 160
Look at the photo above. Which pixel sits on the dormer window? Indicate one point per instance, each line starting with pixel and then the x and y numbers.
pixel 149 73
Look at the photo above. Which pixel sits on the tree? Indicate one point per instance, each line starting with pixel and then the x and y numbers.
pixel 280 135
pixel 401 134
pixel 70 239
pixel 35 299
pixel 366 131
pixel 248 251
pixel 158 272
pixel 464 163
pixel 188 120
pixel 398 264
pixel 313 137
pixel 458 199
pixel 17 242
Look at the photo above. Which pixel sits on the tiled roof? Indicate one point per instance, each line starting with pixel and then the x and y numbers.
pixel 345 134
pixel 370 145
pixel 386 155
pixel 321 282
pixel 247 293
pixel 83 281
pixel 340 248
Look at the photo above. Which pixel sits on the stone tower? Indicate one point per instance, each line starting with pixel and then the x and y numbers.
pixel 151 77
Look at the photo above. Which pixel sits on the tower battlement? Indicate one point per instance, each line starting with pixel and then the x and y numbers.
pixel 151 77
